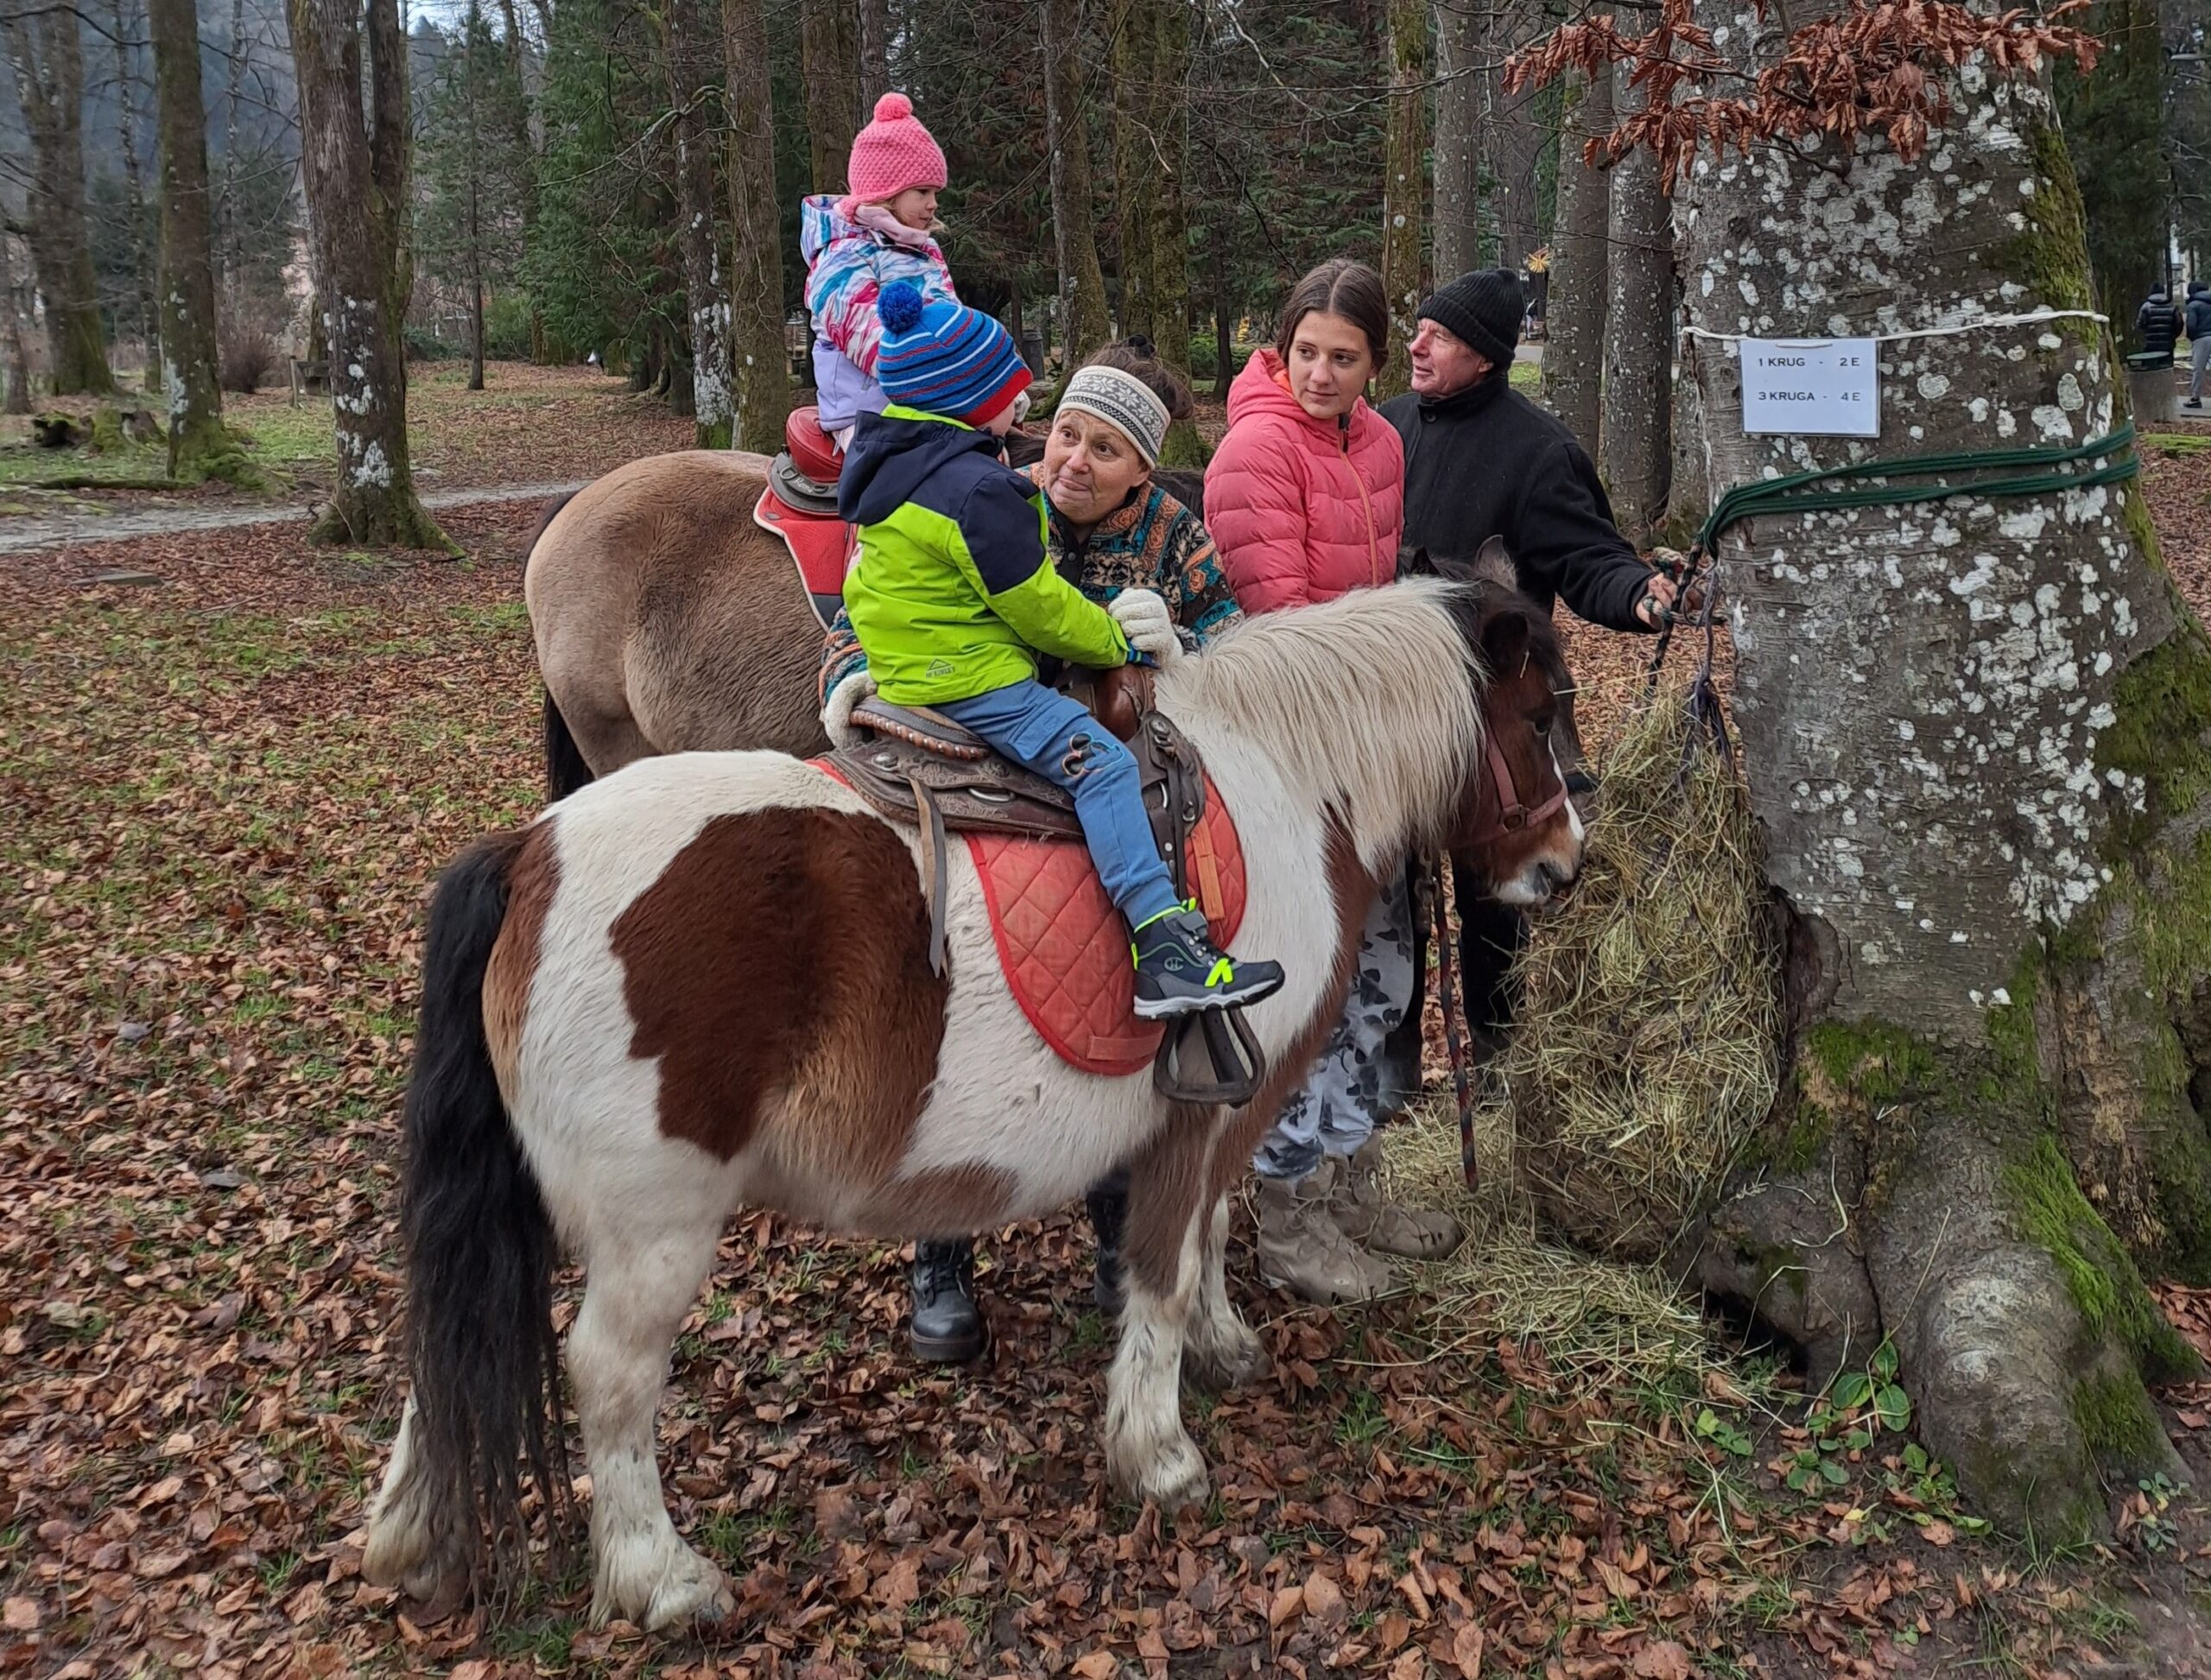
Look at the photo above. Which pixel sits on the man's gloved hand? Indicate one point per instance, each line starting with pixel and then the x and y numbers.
pixel 1144 618
pixel 837 715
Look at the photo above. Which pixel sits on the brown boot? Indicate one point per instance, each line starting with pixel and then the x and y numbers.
pixel 1363 1214
pixel 1301 1250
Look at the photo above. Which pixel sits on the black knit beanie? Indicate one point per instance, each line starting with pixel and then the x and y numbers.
pixel 1483 310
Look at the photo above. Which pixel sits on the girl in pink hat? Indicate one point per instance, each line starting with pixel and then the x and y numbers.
pixel 855 246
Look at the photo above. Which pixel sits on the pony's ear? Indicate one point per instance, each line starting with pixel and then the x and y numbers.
pixel 1506 637
pixel 1415 563
pixel 1493 565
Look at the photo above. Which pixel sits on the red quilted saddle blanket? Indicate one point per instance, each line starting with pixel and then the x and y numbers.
pixel 820 544
pixel 1066 949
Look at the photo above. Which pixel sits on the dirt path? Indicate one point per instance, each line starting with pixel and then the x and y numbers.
pixel 78 531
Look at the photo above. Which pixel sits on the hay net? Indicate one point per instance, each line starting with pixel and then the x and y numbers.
pixel 1647 1048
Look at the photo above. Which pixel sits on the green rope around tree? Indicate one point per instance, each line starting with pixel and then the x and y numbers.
pixel 1765 497
pixel 1794 493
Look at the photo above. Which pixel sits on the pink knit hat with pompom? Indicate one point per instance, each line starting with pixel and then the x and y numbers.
pixel 893 153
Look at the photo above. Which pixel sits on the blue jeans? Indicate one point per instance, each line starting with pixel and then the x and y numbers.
pixel 1037 727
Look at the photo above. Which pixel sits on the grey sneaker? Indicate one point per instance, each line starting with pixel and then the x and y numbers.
pixel 1180 971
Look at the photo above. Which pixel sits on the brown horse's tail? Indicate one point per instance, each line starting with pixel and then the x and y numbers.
pixel 481 1351
pixel 565 768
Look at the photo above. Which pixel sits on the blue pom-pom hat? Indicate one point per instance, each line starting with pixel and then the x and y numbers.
pixel 945 358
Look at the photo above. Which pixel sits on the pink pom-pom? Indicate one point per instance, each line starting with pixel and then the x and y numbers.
pixel 893 107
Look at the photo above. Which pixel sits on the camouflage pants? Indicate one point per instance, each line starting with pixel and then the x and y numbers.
pixel 1336 1111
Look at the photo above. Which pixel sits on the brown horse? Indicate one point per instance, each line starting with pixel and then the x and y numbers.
pixel 666 621
pixel 706 981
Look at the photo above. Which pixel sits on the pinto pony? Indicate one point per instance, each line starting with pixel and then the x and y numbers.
pixel 705 981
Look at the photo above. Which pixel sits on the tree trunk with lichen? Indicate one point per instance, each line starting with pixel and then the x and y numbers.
pixel 1977 737
pixel 200 446
pixel 829 54
pixel 49 67
pixel 1083 322
pixel 1574 347
pixel 687 58
pixel 1129 27
pixel 1635 451
pixel 759 368
pixel 1169 124
pixel 1404 186
pixel 355 177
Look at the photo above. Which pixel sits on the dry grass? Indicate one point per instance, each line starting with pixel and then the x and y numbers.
pixel 1600 1318
pixel 1654 990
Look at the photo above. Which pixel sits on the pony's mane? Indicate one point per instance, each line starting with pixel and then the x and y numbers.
pixel 1363 704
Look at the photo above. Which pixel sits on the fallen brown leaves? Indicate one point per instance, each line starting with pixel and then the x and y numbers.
pixel 227 794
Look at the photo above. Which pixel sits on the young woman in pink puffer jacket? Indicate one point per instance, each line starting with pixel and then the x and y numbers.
pixel 1306 501
pixel 1306 496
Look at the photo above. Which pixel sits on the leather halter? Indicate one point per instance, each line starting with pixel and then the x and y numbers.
pixel 1513 815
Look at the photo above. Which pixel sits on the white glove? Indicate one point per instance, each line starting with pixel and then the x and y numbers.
pixel 837 715
pixel 1144 618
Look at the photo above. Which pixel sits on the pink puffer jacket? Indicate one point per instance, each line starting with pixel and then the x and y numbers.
pixel 1303 510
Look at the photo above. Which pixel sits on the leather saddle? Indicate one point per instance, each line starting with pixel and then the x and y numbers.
pixel 919 768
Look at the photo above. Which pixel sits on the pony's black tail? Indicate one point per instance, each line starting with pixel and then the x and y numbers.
pixel 480 1249
pixel 565 768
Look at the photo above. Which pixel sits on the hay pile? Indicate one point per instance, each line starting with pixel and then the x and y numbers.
pixel 1601 1320
pixel 1647 1045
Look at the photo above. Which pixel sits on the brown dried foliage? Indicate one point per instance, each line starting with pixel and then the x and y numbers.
pixel 1881 69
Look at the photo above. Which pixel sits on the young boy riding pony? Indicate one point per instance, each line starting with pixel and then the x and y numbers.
pixel 954 597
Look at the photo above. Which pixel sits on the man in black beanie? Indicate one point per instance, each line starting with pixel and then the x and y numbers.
pixel 1482 461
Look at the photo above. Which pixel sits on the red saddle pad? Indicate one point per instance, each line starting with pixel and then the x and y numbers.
pixel 821 544
pixel 1065 948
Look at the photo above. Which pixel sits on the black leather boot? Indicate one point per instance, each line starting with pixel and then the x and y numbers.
pixel 948 1327
pixel 1109 1216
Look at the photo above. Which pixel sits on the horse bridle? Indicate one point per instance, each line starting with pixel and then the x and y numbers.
pixel 1513 814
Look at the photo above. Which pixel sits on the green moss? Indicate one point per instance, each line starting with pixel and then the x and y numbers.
pixel 2113 1302
pixel 2051 257
pixel 1806 1139
pixel 2163 730
pixel 1877 1063
pixel 2116 1418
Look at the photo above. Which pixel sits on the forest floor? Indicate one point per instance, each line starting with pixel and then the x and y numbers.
pixel 227 788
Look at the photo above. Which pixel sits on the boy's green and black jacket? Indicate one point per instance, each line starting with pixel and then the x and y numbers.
pixel 954 594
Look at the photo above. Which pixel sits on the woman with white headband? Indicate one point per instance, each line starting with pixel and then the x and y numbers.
pixel 1112 528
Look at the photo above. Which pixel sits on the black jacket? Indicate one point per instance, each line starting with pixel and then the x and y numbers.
pixel 2159 323
pixel 2199 315
pixel 1487 462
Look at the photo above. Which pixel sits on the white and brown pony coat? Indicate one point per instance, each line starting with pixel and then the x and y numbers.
pixel 704 982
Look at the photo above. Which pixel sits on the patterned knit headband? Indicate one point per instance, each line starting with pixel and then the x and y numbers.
pixel 1123 402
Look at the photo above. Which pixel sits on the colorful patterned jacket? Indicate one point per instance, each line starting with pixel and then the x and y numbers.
pixel 847 265
pixel 1153 543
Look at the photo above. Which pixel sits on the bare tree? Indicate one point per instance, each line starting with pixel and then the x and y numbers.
pixel 126 95
pixel 11 336
pixel 1404 190
pixel 1168 120
pixel 1084 322
pixel 356 182
pixel 1574 347
pixel 687 60
pixel 875 51
pixel 200 446
pixel 761 387
pixel 49 68
pixel 1635 451
pixel 829 53
pixel 1130 29
pixel 1460 33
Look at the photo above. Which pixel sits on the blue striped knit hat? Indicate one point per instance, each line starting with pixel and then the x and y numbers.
pixel 943 358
